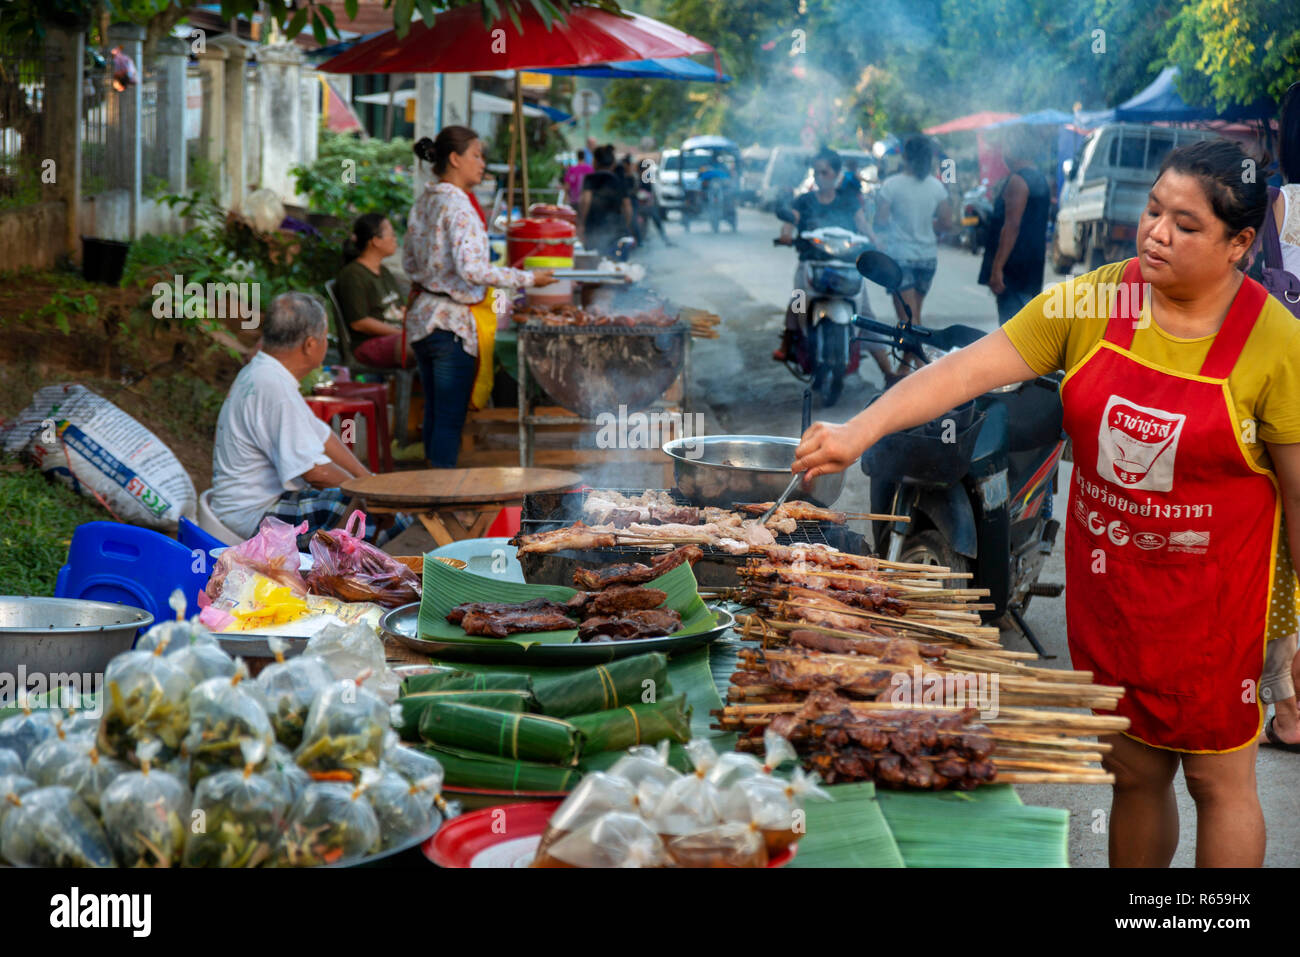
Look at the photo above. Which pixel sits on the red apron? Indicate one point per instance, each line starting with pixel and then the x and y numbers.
pixel 1172 532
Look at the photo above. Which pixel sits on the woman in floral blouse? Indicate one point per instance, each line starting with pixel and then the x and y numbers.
pixel 446 256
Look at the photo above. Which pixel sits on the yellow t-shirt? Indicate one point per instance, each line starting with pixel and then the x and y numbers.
pixel 1060 326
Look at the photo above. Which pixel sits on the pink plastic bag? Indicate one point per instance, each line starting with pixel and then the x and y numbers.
pixel 272 552
pixel 347 567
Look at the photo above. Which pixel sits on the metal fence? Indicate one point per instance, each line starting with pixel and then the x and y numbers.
pixel 100 119
pixel 24 70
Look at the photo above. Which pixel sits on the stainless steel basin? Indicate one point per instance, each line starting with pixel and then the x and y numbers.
pixel 727 469
pixel 60 635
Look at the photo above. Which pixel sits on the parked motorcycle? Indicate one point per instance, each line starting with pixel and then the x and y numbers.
pixel 974 481
pixel 976 212
pixel 822 349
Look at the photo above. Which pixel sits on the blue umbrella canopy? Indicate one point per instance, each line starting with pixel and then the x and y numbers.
pixel 657 69
pixel 1160 102
pixel 1039 118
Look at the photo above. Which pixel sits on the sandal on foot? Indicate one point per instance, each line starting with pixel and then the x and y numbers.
pixel 1277 742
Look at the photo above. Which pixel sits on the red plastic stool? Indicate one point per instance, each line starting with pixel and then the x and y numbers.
pixel 506 525
pixel 328 407
pixel 376 392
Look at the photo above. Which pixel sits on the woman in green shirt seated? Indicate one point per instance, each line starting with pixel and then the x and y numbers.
pixel 372 302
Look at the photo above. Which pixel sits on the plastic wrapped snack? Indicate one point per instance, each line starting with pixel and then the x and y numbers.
pixel 89 775
pixel 17 785
pixel 525 737
pixel 773 806
pixel 344 732
pixel 668 719
pixel 612 840
pixel 690 803
pixel 224 712
pixel 405 811
pixel 144 814
pixel 203 662
pixel 645 764
pixel 146 698
pixel 21 733
pixel 177 636
pixel 732 844
pixel 347 567
pixel 53 753
pixel 330 823
pixel 736 766
pixel 288 688
pixel 271 553
pixel 236 816
pixel 53 827
pixel 597 795
pixel 349 650
pixel 284 772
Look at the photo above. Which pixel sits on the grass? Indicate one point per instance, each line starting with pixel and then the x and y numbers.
pixel 37 517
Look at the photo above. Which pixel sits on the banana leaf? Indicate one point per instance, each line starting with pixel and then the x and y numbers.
pixel 621 728
pixel 621 682
pixel 466 681
pixel 413 705
pixel 465 769
pixel 957 829
pixel 847 831
pixel 446 587
pixel 526 737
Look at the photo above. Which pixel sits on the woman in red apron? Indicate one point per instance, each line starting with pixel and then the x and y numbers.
pixel 1174 505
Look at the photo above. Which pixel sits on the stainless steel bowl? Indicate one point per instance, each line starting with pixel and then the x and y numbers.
pixel 59 635
pixel 727 469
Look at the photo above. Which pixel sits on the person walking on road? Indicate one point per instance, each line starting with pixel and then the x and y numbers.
pixel 1017 248
pixel 916 205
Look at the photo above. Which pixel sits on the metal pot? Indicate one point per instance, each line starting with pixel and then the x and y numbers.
pixel 60 635
pixel 724 470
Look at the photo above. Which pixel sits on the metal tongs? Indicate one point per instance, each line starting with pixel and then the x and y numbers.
pixel 798 476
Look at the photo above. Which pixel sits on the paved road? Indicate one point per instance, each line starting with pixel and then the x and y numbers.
pixel 746 280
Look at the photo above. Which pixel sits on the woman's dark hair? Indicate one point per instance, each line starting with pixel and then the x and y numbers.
pixel 603 157
pixel 452 139
pixel 1232 182
pixel 366 228
pixel 1288 133
pixel 918 155
pixel 829 157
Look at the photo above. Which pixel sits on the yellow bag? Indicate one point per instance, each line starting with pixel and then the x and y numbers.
pixel 485 318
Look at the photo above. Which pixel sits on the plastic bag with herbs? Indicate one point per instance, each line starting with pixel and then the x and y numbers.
pixel 405 811
pixel 53 753
pixel 284 772
pixel 288 687
pixel 348 567
pixel 17 785
pixel 411 764
pixel 146 696
pixel 144 814
pixel 80 722
pixel 89 775
pixel 21 733
pixel 344 732
pixel 10 763
pixel 235 817
pixel 224 712
pixel 53 827
pixel 330 823
pixel 202 662
pixel 177 635
pixel 617 839
pixel 349 650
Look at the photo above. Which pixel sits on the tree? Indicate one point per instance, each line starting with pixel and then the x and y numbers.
pixel 1234 53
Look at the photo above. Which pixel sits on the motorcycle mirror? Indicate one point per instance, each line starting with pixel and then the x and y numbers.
pixel 784 214
pixel 880 269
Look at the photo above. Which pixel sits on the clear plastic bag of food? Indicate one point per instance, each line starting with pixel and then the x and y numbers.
pixel 202 662
pixel 17 785
pixel 731 844
pixel 53 827
pixel 272 553
pixel 89 775
pixel 349 568
pixel 224 712
pixel 736 766
pixel 645 763
pixel 146 697
pixel 80 722
pixel 774 806
pixel 144 814
pixel 345 732
pixel 288 687
pixel 236 816
pixel 617 839
pixel 283 771
pixel 348 650
pixel 330 823
pixel 10 763
pixel 21 733
pixel 689 803
pixel 50 755
pixel 596 795
pixel 405 811
pixel 177 635
pixel 410 763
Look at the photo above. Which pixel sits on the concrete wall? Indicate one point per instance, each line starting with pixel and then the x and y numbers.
pixel 108 216
pixel 33 236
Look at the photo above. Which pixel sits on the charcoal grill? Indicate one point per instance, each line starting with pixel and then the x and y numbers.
pixel 718 568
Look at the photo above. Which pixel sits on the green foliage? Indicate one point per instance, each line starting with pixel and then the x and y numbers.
pixel 352 176
pixel 37 518
pixel 1233 53
pixel 64 311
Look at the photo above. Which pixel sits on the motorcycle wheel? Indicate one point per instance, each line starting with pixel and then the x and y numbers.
pixel 834 361
pixel 931 548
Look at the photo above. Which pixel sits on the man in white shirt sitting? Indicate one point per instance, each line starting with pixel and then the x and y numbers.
pixel 272 456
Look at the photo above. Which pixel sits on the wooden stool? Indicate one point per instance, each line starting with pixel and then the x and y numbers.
pixel 327 408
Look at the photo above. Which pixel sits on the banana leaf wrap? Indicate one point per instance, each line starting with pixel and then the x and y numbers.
pixel 413 705
pixel 526 737
pixel 634 724
pixel 466 681
pixel 613 685
pixel 466 769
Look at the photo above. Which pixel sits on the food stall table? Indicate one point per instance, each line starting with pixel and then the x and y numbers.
pixel 455 504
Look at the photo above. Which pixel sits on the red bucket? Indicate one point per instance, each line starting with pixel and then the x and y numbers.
pixel 546 238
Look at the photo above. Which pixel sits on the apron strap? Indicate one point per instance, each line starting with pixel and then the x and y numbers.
pixel 1236 329
pixel 1121 326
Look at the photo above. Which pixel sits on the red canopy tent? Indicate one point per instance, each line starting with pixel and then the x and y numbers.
pixel 974 121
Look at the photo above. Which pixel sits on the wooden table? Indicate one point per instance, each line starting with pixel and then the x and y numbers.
pixel 455 504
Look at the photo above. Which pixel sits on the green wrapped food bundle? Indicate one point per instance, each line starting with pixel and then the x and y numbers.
pixel 619 728
pixel 412 706
pixel 526 737
pixel 626 681
pixel 465 769
pixel 466 681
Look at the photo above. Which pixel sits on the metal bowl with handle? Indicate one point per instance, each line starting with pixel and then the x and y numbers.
pixel 60 635
pixel 724 470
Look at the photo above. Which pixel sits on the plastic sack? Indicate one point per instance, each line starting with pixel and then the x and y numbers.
pixel 288 689
pixel 404 810
pixel 344 732
pixel 281 769
pixel 10 763
pixel 271 553
pixel 349 650
pixel 236 815
pixel 331 823
pixel 203 662
pixel 89 775
pixel 91 445
pixel 21 733
pixel 224 713
pixel 723 845
pixel 144 814
pixel 348 567
pixel 179 635
pixel 17 785
pixel 53 753
pixel 53 827
pixel 411 764
pixel 612 840
pixel 147 697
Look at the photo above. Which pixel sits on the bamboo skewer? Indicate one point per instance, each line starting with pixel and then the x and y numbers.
pixel 1045 777
pixel 959 637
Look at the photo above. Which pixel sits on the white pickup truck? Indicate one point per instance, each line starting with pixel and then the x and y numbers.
pixel 1105 191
